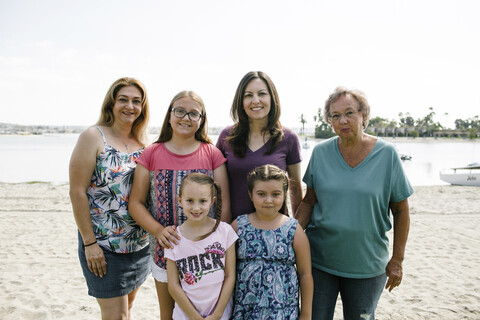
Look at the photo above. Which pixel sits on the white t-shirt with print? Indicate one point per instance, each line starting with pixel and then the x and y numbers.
pixel 201 267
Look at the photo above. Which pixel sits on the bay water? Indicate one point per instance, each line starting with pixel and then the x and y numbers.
pixel 28 158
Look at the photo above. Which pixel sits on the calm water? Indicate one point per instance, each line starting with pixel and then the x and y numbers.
pixel 46 157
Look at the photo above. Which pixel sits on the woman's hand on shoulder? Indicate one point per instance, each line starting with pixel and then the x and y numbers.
pixel 168 237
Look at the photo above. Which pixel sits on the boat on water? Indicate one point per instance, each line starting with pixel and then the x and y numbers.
pixel 306 145
pixel 462 176
pixel 405 157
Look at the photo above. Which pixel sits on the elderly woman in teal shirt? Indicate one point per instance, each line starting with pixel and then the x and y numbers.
pixel 354 181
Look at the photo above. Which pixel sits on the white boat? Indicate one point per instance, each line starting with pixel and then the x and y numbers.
pixel 462 176
pixel 306 145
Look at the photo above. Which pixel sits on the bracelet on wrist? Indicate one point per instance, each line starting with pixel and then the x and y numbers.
pixel 90 244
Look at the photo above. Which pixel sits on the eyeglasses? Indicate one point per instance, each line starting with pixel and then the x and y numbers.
pixel 348 115
pixel 192 115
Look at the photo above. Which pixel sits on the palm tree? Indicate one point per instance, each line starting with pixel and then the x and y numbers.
pixel 303 121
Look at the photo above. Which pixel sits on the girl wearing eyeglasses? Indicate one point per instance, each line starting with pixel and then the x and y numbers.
pixel 182 147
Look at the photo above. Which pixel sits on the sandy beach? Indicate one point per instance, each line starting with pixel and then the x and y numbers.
pixel 40 277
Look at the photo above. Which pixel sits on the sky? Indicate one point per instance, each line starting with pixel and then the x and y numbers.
pixel 59 57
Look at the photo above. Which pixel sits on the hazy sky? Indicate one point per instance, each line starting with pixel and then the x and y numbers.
pixel 58 58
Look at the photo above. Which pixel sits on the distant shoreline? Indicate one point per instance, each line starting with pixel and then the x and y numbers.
pixel 404 139
pixel 301 137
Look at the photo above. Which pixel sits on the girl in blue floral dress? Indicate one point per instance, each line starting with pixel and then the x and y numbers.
pixel 273 254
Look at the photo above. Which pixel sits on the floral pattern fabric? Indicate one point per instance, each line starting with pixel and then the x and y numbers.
pixel 267 282
pixel 114 228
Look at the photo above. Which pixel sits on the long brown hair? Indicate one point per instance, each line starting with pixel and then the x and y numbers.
pixel 239 135
pixel 139 127
pixel 269 172
pixel 202 132
pixel 216 192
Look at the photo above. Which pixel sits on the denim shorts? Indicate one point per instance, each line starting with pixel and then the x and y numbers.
pixel 125 272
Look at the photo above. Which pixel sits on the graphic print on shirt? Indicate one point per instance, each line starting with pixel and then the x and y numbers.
pixel 163 204
pixel 192 268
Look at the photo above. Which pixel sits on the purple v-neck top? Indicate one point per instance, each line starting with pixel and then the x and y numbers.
pixel 287 153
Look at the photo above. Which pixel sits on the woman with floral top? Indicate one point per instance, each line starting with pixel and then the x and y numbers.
pixel 113 248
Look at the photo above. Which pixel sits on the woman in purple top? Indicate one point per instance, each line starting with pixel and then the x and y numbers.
pixel 258 138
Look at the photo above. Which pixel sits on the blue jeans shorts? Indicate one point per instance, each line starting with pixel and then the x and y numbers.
pixel 125 272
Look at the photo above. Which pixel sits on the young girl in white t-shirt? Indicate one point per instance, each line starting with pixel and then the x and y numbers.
pixel 201 267
pixel 182 147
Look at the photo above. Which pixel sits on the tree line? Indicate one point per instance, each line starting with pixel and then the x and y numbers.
pixel 405 126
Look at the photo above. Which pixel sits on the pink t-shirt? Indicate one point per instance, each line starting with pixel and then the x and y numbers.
pixel 167 170
pixel 201 267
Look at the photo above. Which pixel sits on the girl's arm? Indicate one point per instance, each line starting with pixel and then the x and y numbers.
pixel 82 165
pixel 301 246
pixel 177 292
pixel 304 211
pixel 228 284
pixel 294 173
pixel 234 226
pixel 138 210
pixel 220 176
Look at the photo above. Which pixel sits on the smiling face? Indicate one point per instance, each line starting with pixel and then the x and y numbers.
pixel 256 100
pixel 268 197
pixel 184 126
pixel 346 119
pixel 196 200
pixel 128 105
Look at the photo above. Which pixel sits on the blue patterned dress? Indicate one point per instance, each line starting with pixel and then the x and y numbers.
pixel 267 282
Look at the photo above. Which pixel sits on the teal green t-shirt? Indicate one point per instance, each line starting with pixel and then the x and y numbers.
pixel 347 231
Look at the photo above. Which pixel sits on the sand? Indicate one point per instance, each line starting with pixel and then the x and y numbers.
pixel 40 276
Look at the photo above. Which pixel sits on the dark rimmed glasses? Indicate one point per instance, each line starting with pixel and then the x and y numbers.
pixel 192 115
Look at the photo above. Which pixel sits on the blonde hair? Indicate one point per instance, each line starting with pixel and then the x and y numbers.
pixel 202 132
pixel 139 127
pixel 358 95
pixel 216 192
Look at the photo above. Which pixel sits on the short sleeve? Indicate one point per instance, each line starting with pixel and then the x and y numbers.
pixel 294 154
pixel 231 235
pixel 401 188
pixel 217 157
pixel 145 158
pixel 168 254
pixel 308 177
pixel 221 141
